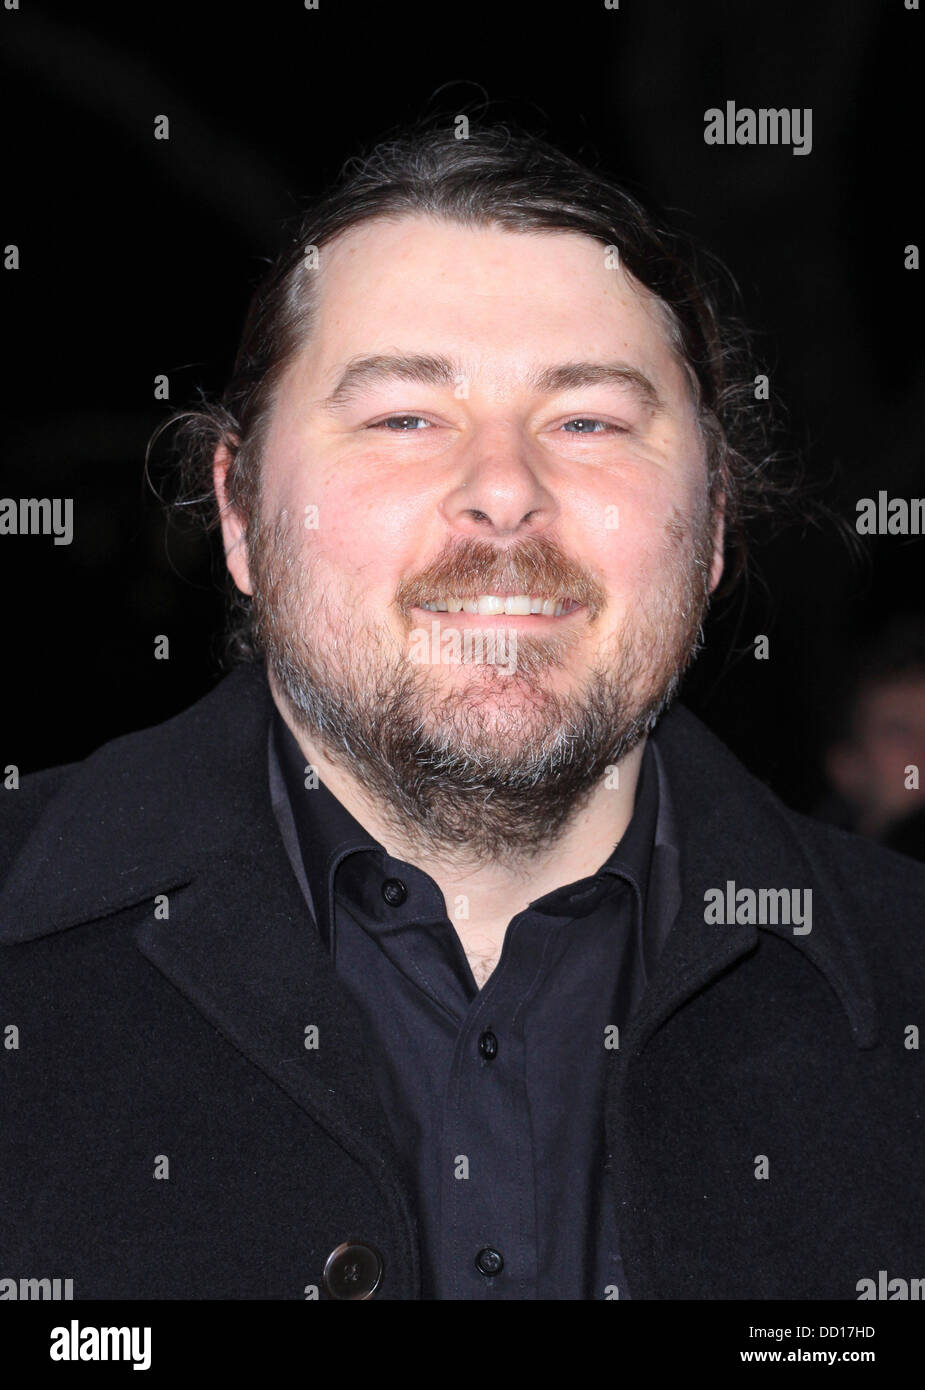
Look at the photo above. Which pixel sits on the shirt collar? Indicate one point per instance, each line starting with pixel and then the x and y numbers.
pixel 325 834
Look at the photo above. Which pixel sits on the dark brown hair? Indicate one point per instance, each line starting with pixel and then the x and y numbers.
pixel 506 177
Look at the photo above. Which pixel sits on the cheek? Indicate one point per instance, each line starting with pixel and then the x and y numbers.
pixel 350 532
pixel 341 526
pixel 643 547
pixel 361 544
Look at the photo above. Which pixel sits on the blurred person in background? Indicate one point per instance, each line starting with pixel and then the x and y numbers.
pixel 875 759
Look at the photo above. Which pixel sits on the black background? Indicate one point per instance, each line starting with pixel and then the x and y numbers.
pixel 138 256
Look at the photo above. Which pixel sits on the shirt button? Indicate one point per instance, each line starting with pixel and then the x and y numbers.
pixel 489 1261
pixel 488 1045
pixel 394 892
pixel 353 1271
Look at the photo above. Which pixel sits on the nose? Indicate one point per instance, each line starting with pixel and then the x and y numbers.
pixel 498 490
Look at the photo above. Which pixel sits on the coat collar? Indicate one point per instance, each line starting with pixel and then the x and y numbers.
pixel 186 806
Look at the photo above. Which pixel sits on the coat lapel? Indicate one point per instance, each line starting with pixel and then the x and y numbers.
pixel 726 826
pixel 183 811
pixel 241 946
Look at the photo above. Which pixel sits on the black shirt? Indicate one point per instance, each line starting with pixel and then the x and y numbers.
pixel 495 1096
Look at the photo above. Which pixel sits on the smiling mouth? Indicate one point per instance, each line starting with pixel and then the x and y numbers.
pixel 504 606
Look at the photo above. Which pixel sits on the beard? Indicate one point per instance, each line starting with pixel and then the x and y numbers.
pixel 490 769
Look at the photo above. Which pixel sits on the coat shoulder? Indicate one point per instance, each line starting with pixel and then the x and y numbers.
pixel 21 808
pixel 869 867
pixel 882 898
pixel 876 895
pixel 81 840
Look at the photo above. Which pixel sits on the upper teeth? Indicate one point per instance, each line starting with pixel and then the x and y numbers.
pixel 493 604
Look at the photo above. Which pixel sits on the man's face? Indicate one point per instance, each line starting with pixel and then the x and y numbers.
pixel 888 736
pixel 479 466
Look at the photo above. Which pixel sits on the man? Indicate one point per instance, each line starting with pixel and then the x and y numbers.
pixel 438 952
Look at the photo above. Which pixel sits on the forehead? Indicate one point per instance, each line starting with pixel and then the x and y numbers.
pixel 497 299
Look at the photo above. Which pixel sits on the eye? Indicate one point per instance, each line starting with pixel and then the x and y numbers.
pixel 584 421
pixel 400 424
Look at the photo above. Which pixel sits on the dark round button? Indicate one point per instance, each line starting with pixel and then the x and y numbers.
pixel 394 892
pixel 488 1045
pixel 353 1270
pixel 489 1261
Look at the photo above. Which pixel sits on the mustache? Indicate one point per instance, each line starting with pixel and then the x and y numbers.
pixel 468 568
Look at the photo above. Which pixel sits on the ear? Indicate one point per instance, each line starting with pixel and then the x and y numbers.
pixel 719 541
pixel 234 532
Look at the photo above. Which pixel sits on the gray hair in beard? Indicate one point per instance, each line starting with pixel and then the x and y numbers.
pixel 447 782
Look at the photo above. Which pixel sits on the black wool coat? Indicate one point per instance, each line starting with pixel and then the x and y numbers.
pixel 165 1132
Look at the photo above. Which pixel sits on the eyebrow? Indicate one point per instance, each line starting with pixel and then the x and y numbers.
pixel 361 372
